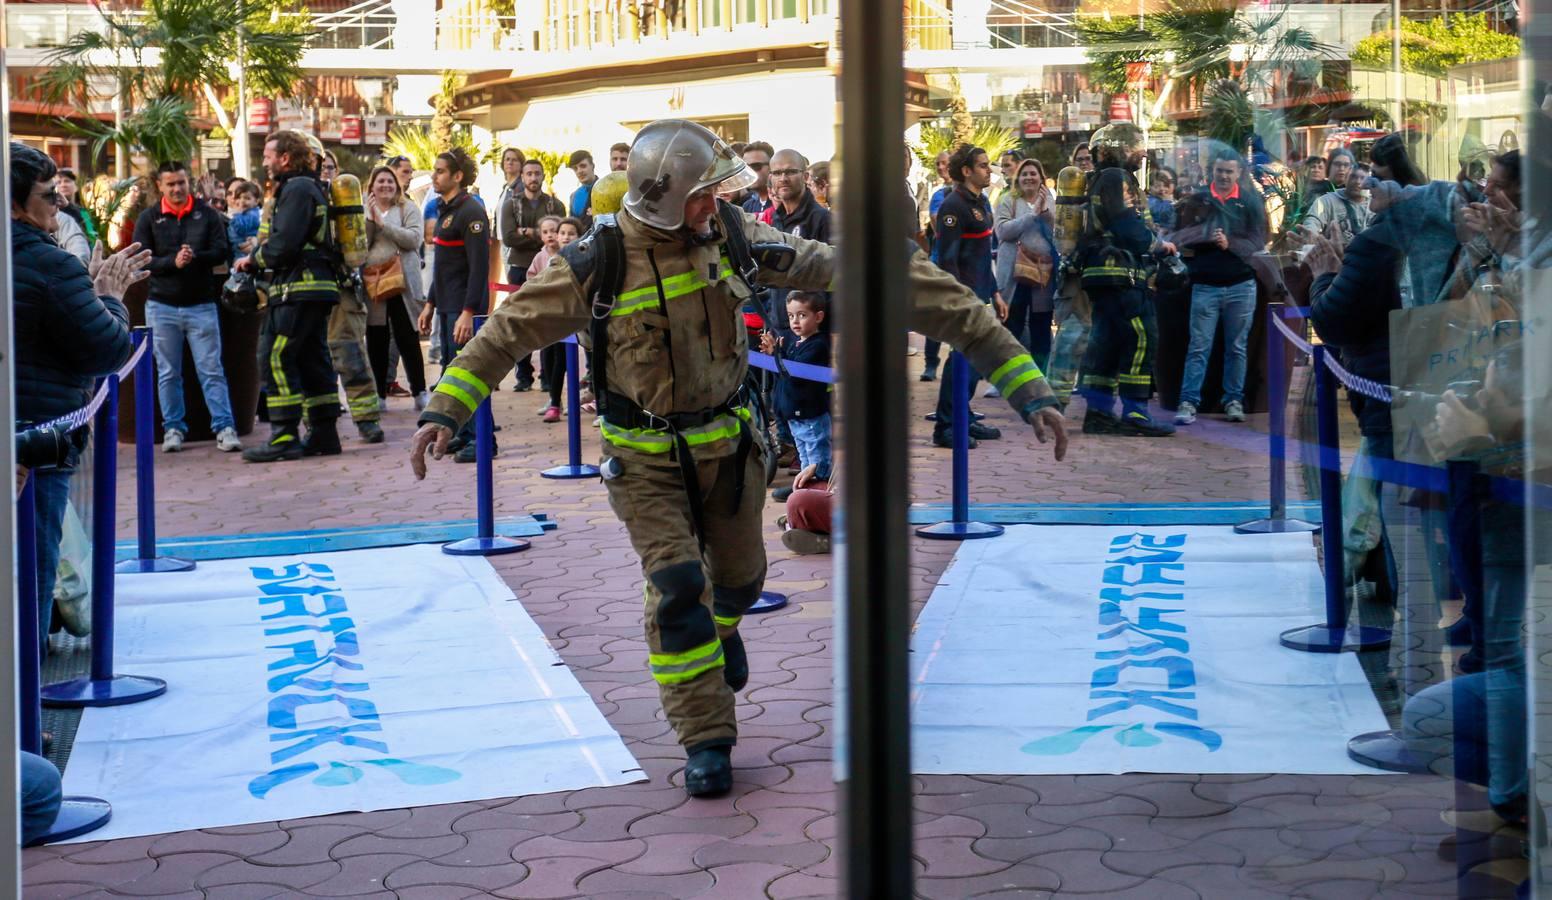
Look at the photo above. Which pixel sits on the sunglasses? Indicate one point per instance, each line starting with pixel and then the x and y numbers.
pixel 51 195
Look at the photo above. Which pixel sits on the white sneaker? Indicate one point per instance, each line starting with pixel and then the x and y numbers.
pixel 227 441
pixel 992 392
pixel 1234 411
pixel 421 399
pixel 1185 414
pixel 172 441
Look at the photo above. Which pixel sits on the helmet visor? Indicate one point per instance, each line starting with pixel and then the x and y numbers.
pixel 744 177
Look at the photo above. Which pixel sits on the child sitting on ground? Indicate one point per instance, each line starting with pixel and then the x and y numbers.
pixel 805 404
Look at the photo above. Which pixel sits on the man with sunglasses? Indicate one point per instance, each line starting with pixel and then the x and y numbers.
pixel 757 156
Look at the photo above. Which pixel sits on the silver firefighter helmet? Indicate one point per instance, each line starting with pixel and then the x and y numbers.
pixel 672 159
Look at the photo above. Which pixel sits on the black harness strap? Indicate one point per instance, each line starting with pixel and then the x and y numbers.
pixel 743 263
pixel 607 279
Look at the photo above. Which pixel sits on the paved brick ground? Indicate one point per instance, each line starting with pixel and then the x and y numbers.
pixel 1145 836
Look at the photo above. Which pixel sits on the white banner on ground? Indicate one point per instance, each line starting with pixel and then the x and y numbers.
pixel 1075 649
pixel 331 682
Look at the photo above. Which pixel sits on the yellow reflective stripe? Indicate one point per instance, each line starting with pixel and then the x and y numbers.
pixel 654 440
pixel 457 393
pixel 468 379
pixel 275 367
pixel 320 400
pixel 729 621
pixel 674 286
pixel 1142 344
pixel 1020 380
pixel 1021 360
pixel 677 668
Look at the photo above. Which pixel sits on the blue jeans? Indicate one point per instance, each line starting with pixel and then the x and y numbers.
pixel 52 487
pixel 1236 305
pixel 201 327
pixel 812 437
pixel 40 796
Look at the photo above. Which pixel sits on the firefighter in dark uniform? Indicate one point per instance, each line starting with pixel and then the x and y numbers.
pixel 1115 258
pixel 460 289
pixel 303 289
pixel 965 252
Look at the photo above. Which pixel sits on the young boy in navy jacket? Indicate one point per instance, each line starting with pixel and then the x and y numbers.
pixel 805 404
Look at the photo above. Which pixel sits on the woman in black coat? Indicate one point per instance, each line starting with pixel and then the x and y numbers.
pixel 70 328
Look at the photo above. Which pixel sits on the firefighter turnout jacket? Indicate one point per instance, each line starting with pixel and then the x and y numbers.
pixel 677 345
pixel 294 244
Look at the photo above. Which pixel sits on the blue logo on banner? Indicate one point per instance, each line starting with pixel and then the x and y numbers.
pixel 304 605
pixel 1150 566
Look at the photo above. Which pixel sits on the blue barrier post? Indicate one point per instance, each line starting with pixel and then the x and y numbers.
pixel 30 715
pixel 1333 635
pixel 77 815
pixel 102 687
pixel 574 467
pixel 145 470
pixel 485 541
pixel 1277 522
pixel 959 527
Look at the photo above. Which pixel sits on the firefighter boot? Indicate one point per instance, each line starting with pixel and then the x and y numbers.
pixel 709 772
pixel 371 432
pixel 322 438
pixel 284 443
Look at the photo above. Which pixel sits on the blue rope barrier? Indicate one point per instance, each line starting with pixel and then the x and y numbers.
pixel 1415 475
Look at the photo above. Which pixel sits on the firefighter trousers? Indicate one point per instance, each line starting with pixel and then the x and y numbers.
pixel 347 351
pixel 1121 344
pixel 694 601
pixel 294 357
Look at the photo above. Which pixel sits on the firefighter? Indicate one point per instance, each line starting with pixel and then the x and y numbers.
pixel 660 289
pixel 1115 261
pixel 302 292
pixel 347 324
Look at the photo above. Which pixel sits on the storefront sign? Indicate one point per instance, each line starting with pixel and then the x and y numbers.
pixel 292 115
pixel 377 130
pixel 1137 74
pixel 351 130
pixel 1120 109
pixel 331 124
pixel 261 114
pixel 1034 126
pixel 215 149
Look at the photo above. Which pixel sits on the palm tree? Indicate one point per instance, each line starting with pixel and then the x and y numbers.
pixel 1198 42
pixel 168 53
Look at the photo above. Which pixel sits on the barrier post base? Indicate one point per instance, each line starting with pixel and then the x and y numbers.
pixel 1384 750
pixel 119 690
pixel 77 816
pixel 1277 526
pixel 1326 639
pixel 959 531
pixel 154 564
pixel 769 601
pixel 485 546
pixel 578 471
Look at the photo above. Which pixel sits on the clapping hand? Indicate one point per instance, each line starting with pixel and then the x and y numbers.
pixel 1325 255
pixel 111 277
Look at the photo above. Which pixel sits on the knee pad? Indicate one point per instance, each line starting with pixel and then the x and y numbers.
pixel 681 619
pixel 730 603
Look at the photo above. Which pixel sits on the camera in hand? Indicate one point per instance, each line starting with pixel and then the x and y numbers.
pixel 43 448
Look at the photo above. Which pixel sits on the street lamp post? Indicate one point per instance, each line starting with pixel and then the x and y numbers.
pixel 240 162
